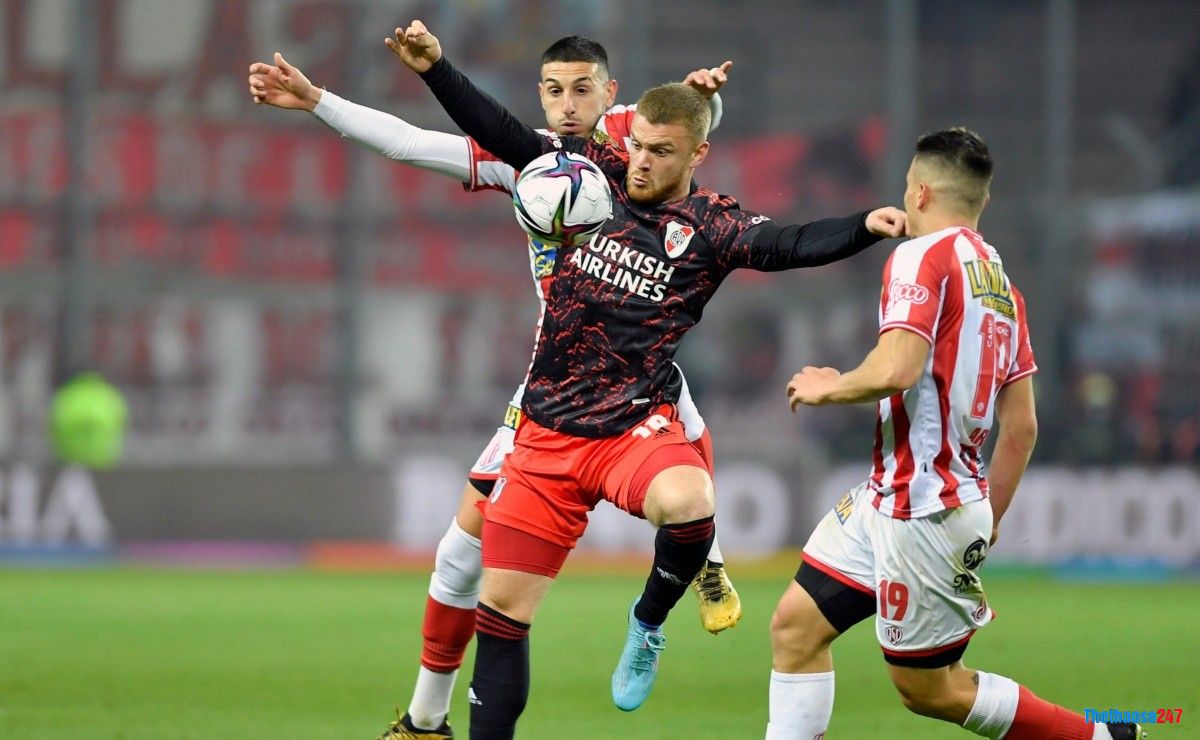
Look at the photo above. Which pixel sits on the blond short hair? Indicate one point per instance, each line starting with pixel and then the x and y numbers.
pixel 675 102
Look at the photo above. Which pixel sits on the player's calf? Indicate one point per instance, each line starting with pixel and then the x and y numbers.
pixel 1004 709
pixel 946 693
pixel 500 686
pixel 447 628
pixel 449 620
pixel 679 554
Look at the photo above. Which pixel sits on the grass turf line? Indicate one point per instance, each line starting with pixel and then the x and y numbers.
pixel 120 653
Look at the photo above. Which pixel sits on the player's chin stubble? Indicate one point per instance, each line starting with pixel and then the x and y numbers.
pixel 640 194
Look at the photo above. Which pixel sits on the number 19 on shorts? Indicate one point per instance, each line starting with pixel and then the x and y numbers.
pixel 893 598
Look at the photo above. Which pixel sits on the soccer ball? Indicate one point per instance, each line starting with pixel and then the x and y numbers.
pixel 562 198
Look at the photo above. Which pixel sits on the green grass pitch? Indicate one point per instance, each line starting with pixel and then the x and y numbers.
pixel 122 653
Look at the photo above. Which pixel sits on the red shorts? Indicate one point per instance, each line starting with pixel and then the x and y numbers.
pixel 550 481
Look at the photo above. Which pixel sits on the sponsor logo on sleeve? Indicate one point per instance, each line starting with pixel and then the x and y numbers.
pixel 911 292
pixel 844 508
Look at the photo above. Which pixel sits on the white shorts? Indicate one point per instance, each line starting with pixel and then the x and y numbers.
pixel 487 467
pixel 923 572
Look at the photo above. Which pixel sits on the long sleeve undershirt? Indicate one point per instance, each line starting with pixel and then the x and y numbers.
pixel 813 244
pixel 396 139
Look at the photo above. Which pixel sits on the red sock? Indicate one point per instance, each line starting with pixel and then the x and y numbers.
pixel 447 631
pixel 1038 719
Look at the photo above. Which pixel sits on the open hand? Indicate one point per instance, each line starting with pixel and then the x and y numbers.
pixel 416 47
pixel 282 86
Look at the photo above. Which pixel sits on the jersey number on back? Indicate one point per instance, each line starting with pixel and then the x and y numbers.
pixel 994 352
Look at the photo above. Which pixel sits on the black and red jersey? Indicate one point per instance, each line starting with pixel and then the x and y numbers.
pixel 619 305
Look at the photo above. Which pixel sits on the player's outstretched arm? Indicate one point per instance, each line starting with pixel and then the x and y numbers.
pixel 397 139
pixel 492 126
pixel 818 243
pixel 284 86
pixel 708 82
pixel 1016 417
pixel 894 366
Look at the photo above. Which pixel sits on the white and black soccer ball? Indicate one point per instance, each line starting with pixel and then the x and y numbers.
pixel 562 198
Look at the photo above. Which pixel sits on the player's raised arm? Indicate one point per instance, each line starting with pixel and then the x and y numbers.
pixel 283 85
pixel 708 82
pixel 479 116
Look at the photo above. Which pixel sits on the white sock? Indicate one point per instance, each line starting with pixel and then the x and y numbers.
pixel 995 706
pixel 458 569
pixel 801 705
pixel 714 552
pixel 431 698
pixel 1100 732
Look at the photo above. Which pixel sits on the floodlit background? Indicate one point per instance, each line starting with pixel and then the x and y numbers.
pixel 315 342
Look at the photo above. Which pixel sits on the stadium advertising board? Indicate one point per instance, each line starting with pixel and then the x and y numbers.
pixel 1060 516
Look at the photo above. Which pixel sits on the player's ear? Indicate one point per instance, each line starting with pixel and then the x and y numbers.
pixel 924 196
pixel 610 93
pixel 699 155
pixel 541 88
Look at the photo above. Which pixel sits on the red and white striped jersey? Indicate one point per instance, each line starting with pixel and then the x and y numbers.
pixel 489 173
pixel 950 288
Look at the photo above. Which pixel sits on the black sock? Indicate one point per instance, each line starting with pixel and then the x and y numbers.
pixel 500 684
pixel 680 551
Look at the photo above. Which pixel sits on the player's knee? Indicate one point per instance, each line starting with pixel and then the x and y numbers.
pixel 677 495
pixel 457 569
pixel 511 604
pixel 786 636
pixel 693 506
pixel 795 637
